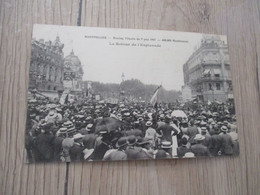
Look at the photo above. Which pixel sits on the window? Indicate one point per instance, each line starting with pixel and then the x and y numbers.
pixel 230 88
pixel 218 86
pixel 49 87
pixel 210 86
pixel 217 73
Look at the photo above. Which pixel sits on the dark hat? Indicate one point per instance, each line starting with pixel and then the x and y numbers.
pixel 145 140
pixel 184 139
pixel 161 154
pixel 121 142
pixel 131 139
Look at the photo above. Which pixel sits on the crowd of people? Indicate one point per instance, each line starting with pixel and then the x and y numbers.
pixel 89 131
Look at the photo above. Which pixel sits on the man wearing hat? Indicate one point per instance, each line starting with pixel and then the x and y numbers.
pixel 183 148
pixel 89 139
pixel 70 128
pixel 118 154
pixel 215 141
pixel 226 142
pixel 60 136
pixel 76 151
pixel 146 145
pixel 44 144
pixel 86 130
pixel 53 116
pixel 102 144
pixel 150 132
pixel 165 150
pixel 199 149
pixel 207 140
pixel 192 131
pixel 132 151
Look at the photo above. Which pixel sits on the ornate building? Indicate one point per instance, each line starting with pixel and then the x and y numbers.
pixel 46 70
pixel 73 73
pixel 207 71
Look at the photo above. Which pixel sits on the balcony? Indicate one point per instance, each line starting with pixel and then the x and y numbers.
pixel 209 79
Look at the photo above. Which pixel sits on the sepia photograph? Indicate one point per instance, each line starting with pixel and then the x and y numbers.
pixel 107 94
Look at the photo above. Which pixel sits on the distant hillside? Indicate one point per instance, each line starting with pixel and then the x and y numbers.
pixel 133 88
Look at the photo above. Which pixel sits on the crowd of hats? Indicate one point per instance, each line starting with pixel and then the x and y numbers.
pixel 84 115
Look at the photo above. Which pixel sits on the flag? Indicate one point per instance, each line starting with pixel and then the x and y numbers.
pixel 155 97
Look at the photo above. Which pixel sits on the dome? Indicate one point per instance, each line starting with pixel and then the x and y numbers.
pixel 72 62
pixel 73 59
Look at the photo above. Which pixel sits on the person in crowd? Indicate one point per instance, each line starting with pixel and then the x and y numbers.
pixel 167 131
pixel 150 132
pixel 199 149
pixel 133 151
pixel 207 140
pixel 44 144
pixel 192 131
pixel 119 153
pixel 102 144
pixel 226 142
pixel 76 151
pixel 183 149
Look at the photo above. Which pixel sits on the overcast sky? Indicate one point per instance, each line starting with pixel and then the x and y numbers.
pixel 106 63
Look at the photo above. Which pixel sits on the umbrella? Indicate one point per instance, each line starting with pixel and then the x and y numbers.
pixel 178 113
pixel 108 124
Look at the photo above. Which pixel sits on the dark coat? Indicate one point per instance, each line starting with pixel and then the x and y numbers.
pixel 215 144
pixel 200 150
pixel 44 147
pixel 227 144
pixel 100 149
pixel 117 155
pixel 182 150
pixel 89 140
pixel 166 131
pixel 134 153
pixel 57 147
pixel 76 152
pixel 135 132
pixel 207 141
pixel 191 132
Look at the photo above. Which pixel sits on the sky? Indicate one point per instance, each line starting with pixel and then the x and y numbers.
pixel 104 62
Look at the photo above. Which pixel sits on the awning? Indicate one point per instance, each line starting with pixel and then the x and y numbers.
pixel 217 71
pixel 206 72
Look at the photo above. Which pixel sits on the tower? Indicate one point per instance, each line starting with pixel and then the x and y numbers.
pixel 123 77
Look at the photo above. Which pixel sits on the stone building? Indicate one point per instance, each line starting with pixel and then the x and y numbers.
pixel 207 71
pixel 73 74
pixel 46 69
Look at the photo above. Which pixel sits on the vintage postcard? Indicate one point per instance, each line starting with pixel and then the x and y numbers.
pixel 104 94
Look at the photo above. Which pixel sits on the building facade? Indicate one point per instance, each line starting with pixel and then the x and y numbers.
pixel 73 74
pixel 46 69
pixel 207 71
